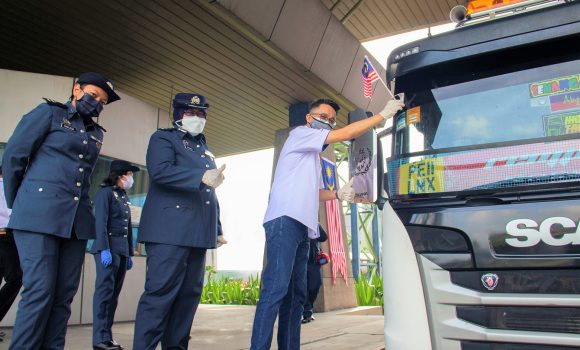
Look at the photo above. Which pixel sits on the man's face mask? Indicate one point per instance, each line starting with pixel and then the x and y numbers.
pixel 193 125
pixel 320 124
pixel 88 106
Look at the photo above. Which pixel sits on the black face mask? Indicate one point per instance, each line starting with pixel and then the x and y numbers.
pixel 88 107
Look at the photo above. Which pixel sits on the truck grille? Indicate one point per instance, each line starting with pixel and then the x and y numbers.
pixel 541 319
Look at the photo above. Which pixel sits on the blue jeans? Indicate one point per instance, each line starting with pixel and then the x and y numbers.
pixel 283 285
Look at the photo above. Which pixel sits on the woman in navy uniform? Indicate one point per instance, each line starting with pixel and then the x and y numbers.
pixel 179 222
pixel 47 166
pixel 112 249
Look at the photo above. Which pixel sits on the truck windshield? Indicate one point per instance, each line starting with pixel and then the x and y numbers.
pixel 509 130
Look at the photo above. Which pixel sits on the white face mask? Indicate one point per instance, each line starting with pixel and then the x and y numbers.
pixel 127 182
pixel 193 125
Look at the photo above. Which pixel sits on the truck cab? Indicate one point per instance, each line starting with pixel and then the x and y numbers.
pixel 480 183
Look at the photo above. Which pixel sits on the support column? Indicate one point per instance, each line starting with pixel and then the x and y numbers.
pixel 354 240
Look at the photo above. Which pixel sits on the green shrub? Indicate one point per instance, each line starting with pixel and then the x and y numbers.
pixel 230 291
pixel 369 289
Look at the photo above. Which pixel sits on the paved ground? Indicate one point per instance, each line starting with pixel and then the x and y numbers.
pixel 229 328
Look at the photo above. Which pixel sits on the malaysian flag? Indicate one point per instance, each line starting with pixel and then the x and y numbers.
pixel 337 255
pixel 369 75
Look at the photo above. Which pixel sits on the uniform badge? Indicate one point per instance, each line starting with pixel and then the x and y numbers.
pixel 195 100
pixel 490 281
pixel 186 145
pixel 66 124
pixel 116 195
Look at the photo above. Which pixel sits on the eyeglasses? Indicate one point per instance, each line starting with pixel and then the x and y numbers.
pixel 325 117
pixel 194 112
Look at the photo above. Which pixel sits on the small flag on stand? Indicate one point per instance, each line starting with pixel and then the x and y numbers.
pixel 337 254
pixel 369 75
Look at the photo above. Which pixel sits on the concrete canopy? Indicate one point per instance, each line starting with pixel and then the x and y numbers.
pixel 251 58
pixel 372 19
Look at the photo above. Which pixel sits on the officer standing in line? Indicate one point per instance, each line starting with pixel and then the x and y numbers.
pixel 179 222
pixel 313 275
pixel 47 166
pixel 10 270
pixel 112 249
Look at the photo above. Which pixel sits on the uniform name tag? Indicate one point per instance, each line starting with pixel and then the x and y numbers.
pixel 99 142
pixel 96 140
pixel 209 154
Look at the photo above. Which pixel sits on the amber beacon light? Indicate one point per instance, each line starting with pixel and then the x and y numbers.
pixel 476 6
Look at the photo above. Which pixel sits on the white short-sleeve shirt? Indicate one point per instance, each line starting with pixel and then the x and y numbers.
pixel 297 179
pixel 4 211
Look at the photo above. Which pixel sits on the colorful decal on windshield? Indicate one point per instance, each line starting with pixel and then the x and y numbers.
pixel 494 168
pixel 554 86
pixel 563 124
pixel 563 102
pixel 422 177
pixel 414 115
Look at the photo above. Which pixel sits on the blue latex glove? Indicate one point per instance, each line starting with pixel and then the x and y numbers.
pixel 129 263
pixel 106 257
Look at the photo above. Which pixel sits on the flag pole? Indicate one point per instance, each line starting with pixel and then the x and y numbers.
pixel 381 79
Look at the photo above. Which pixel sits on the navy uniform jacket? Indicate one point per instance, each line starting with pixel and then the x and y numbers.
pixel 179 209
pixel 314 246
pixel 113 221
pixel 47 166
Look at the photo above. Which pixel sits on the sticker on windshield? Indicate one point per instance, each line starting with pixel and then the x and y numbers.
pixel 414 115
pixel 562 124
pixel 566 101
pixel 426 176
pixel 554 86
pixel 401 121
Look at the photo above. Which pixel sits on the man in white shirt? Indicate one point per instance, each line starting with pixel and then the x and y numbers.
pixel 292 217
pixel 10 270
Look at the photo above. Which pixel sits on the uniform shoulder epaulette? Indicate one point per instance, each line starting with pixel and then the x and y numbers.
pixel 54 103
pixel 97 125
pixel 166 129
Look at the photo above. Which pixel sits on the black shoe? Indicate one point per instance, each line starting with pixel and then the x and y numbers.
pixel 106 345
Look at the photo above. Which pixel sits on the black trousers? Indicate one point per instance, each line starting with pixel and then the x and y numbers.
pixel 314 280
pixel 10 272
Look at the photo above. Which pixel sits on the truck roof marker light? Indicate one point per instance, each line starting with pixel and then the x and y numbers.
pixel 476 6
pixel 407 52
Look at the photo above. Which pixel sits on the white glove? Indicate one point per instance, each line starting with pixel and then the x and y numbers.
pixel 214 177
pixel 346 192
pixel 392 107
